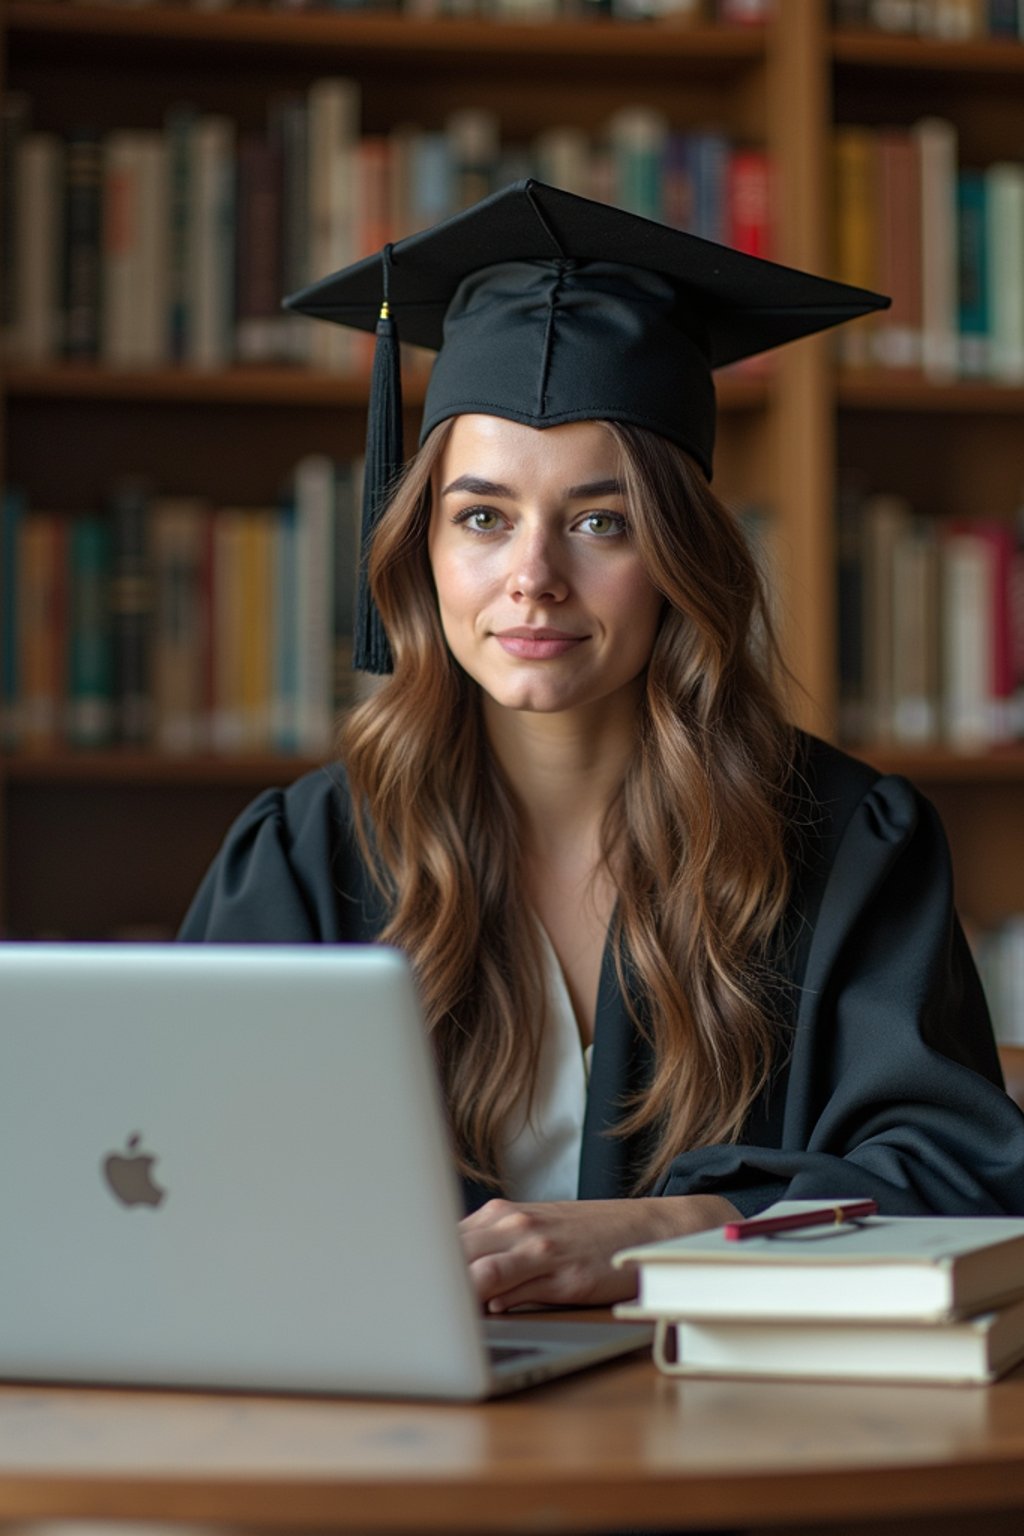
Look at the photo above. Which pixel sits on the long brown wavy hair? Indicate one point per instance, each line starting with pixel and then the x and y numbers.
pixel 695 839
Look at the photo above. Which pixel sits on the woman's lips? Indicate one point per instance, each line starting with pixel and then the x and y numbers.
pixel 537 644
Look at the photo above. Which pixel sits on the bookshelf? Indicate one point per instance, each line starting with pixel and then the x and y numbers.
pixel 96 842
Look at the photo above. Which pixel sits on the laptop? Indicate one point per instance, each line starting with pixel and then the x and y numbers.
pixel 228 1167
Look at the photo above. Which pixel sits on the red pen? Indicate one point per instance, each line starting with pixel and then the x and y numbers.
pixel 821 1216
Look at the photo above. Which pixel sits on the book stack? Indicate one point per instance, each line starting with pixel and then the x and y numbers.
pixel 888 1298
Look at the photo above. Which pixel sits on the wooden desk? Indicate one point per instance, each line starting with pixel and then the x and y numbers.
pixel 617 1449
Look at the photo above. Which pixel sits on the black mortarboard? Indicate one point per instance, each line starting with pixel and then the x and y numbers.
pixel 545 307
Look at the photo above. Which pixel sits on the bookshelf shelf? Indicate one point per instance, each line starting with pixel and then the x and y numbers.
pixel 878 390
pixel 280 386
pixel 151 769
pixel 942 765
pixel 919 55
pixel 575 45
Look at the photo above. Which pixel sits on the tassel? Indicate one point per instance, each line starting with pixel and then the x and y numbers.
pixel 384 460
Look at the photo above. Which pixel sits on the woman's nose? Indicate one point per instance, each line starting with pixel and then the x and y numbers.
pixel 536 572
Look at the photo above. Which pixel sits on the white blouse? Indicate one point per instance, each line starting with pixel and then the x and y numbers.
pixel 540 1159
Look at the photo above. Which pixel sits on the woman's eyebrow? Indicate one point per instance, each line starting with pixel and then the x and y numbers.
pixel 478 487
pixel 595 488
pixel 475 485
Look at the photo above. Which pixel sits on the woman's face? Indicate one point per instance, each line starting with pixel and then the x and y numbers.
pixel 542 595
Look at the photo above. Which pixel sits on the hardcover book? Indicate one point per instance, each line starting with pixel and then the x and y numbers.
pixel 881 1267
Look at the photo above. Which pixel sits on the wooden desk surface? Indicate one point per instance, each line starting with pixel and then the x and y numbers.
pixel 618 1448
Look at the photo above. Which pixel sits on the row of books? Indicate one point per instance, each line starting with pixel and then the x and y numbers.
pixel 945 240
pixel 170 624
pixel 951 20
pixel 931 625
pixel 829 1289
pixel 1000 955
pixel 145 247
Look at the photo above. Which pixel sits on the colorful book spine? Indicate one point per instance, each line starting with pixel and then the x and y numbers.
pixel 855 221
pixel 975 324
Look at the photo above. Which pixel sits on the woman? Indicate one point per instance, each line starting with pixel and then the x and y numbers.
pixel 677 959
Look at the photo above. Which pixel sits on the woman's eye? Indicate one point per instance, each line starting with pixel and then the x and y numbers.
pixel 604 524
pixel 479 519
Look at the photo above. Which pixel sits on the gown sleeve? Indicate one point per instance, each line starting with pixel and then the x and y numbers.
pixel 892 1086
pixel 286 873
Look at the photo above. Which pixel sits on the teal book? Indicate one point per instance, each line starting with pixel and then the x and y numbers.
pixel 972 251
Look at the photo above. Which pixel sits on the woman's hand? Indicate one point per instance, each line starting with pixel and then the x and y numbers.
pixel 558 1253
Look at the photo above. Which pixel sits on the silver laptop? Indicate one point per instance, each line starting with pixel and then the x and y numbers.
pixel 228 1167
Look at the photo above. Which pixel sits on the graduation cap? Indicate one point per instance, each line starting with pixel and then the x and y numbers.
pixel 545 308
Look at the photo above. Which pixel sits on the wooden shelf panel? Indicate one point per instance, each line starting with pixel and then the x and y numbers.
pixel 881 390
pixel 945 765
pixel 262 386
pixel 127 768
pixel 981 56
pixel 940 765
pixel 403 41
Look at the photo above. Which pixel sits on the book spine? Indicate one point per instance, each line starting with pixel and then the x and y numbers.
pixel 90 712
pixel 289 129
pixel 259 228
pixel 41 575
pixel 897 332
pixel 884 517
pixel 227 730
pixel 915 594
pixel 334 109
pixel 255 661
pixel 284 660
pixel 314 557
pixel 856 173
pixel 179 130
pixel 14 124
pixel 1005 232
pixel 967 601
pixel 134 278
pixel 211 264
pixel 638 138
pixel 937 142
pixel 973 262
pixel 39 245
pixel 178 539
pixel 131 614
pixel 83 246
pixel 749 203
pixel 346 563
pixel 12 514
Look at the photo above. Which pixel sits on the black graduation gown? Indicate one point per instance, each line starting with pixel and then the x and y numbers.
pixel 890 1086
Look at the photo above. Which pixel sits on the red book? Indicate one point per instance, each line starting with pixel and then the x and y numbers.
pixel 749 203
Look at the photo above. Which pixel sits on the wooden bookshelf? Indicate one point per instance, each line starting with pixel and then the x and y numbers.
pixel 91 843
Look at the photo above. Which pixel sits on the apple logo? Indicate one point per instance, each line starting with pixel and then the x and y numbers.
pixel 130 1175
